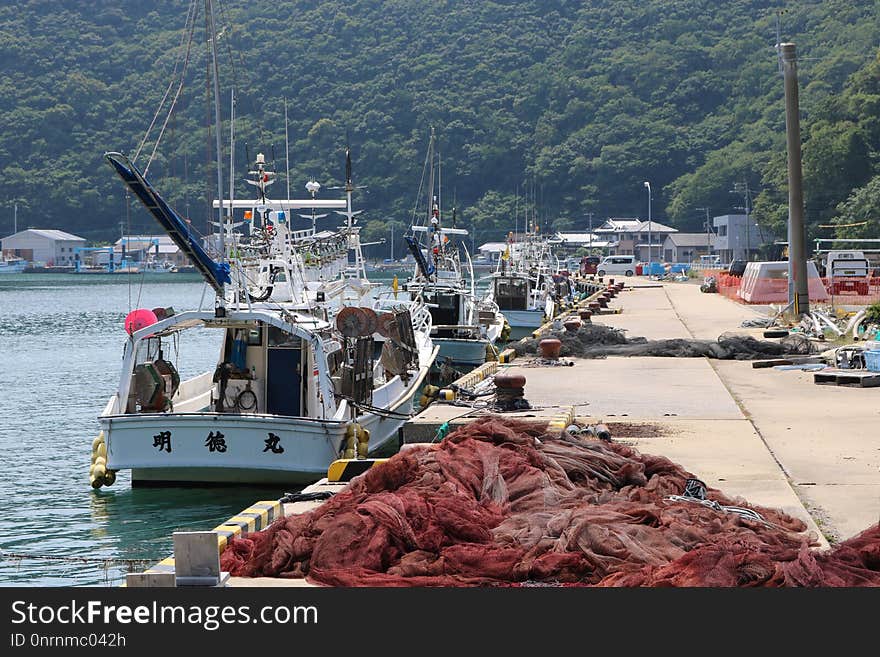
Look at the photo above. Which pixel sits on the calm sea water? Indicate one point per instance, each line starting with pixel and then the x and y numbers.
pixel 61 339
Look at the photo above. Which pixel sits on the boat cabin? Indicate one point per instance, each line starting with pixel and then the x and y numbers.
pixel 262 369
pixel 511 292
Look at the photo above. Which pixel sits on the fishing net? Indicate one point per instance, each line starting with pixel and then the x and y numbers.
pixel 599 341
pixel 498 502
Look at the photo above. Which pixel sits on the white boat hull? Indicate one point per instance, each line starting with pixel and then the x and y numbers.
pixel 255 449
pixel 12 268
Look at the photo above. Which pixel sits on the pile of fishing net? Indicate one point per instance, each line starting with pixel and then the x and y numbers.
pixel 500 503
pixel 599 341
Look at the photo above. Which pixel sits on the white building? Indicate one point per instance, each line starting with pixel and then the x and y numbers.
pixel 687 247
pixel 491 251
pixel 140 248
pixel 49 248
pixel 579 240
pixel 630 237
pixel 737 238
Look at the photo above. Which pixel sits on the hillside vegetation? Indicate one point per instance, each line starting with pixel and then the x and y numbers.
pixel 571 104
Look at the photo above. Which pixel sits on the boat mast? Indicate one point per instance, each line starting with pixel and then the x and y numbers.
pixel 212 40
pixel 287 154
pixel 430 181
pixel 231 157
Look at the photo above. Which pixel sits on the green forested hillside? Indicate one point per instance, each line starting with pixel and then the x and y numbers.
pixel 579 101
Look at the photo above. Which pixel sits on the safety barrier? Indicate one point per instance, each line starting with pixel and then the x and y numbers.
pixel 861 292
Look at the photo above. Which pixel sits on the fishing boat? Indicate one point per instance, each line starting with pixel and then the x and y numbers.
pixel 310 368
pixel 315 362
pixel 526 284
pixel 464 326
pixel 12 265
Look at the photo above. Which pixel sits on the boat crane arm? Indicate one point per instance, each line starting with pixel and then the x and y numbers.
pixel 215 273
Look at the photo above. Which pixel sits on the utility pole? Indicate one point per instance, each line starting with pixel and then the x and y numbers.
pixel 708 232
pixel 15 219
pixel 798 289
pixel 590 216
pixel 743 188
pixel 648 186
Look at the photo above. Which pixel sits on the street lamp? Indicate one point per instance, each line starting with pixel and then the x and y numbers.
pixel 648 185
pixel 708 232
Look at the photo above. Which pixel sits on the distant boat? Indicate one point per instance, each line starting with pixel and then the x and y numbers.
pixel 527 284
pixel 12 265
pixel 463 326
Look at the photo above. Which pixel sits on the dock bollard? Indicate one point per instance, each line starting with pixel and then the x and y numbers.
pixel 550 348
pixel 572 325
pixel 510 391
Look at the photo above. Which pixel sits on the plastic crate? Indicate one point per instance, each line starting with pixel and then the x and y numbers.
pixel 872 360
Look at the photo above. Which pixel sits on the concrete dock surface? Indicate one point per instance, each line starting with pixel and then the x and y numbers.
pixel 824 440
pixel 772 437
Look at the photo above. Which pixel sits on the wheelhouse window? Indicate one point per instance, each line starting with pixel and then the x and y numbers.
pixel 511 293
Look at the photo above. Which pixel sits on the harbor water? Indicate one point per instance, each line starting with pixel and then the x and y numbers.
pixel 61 341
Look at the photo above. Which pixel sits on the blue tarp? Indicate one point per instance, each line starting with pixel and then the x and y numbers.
pixel 659 268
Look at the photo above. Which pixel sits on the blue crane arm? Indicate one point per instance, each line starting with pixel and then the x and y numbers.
pixel 215 273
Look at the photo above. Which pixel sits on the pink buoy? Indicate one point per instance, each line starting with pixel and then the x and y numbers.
pixel 138 319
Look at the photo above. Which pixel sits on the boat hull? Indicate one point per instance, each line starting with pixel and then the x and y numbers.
pixel 255 449
pixel 523 322
pixel 461 351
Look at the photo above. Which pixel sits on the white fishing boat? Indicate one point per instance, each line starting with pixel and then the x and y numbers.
pixel 464 327
pixel 314 363
pixel 12 265
pixel 303 376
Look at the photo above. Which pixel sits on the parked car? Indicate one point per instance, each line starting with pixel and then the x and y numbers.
pixel 737 268
pixel 620 264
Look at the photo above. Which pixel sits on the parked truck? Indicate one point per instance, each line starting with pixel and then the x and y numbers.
pixel 848 272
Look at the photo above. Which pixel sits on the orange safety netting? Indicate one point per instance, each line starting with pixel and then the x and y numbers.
pixel 498 502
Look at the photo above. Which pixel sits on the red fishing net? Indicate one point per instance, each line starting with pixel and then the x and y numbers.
pixel 499 502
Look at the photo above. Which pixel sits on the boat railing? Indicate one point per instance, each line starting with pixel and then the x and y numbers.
pixel 421 318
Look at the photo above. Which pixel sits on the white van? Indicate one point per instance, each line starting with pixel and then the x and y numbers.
pixel 619 264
